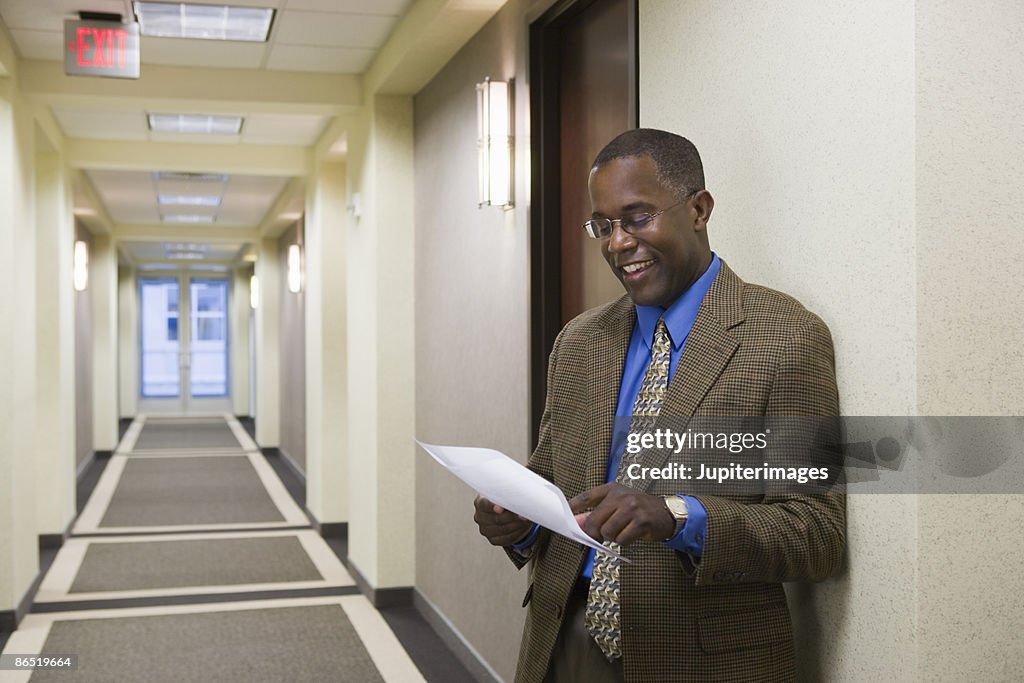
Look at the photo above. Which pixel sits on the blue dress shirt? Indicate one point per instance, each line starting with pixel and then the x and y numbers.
pixel 679 318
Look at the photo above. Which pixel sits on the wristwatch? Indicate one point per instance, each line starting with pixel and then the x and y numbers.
pixel 677 508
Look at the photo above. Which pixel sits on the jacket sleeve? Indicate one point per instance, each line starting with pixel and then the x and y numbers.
pixel 785 536
pixel 541 459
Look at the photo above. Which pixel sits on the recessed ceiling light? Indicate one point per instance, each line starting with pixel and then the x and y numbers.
pixel 188 200
pixel 187 218
pixel 195 123
pixel 185 256
pixel 208 22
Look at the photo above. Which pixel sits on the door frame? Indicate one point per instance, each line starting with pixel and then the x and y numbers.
pixel 545 162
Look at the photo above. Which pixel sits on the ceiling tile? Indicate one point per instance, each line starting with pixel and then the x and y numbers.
pixel 385 7
pixel 272 129
pixel 212 53
pixel 331 30
pixel 46 45
pixel 322 59
pixel 50 15
pixel 101 125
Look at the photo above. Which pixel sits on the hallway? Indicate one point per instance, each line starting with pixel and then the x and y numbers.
pixel 191 561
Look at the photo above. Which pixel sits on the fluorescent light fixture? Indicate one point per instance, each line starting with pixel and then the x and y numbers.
pixel 254 292
pixel 81 266
pixel 185 255
pixel 188 218
pixel 294 269
pixel 206 22
pixel 188 200
pixel 494 142
pixel 192 177
pixel 195 123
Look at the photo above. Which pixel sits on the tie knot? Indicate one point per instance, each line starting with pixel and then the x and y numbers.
pixel 662 340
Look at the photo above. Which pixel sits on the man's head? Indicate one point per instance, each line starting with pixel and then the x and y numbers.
pixel 654 172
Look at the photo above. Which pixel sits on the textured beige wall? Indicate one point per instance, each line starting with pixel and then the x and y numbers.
pixel 55 343
pixel 472 295
pixel 969 298
pixel 18 540
pixel 128 341
pixel 380 322
pixel 83 364
pixel 804 115
pixel 292 340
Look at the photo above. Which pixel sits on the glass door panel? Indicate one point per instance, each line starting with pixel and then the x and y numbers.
pixel 208 347
pixel 160 346
pixel 183 335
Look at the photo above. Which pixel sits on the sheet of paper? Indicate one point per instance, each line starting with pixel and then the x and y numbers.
pixel 504 481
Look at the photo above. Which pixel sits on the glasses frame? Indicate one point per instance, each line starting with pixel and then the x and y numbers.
pixel 630 230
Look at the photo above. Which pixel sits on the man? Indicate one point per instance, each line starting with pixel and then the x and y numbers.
pixel 700 598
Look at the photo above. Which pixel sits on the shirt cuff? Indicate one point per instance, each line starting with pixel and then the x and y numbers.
pixel 690 539
pixel 525 544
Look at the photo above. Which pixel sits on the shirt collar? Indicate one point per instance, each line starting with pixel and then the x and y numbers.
pixel 680 315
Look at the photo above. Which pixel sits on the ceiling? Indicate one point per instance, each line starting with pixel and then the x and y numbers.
pixel 335 36
pixel 311 36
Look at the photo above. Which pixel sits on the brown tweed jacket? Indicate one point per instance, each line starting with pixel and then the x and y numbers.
pixel 751 351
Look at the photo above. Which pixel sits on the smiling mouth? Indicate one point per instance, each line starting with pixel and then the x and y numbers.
pixel 638 267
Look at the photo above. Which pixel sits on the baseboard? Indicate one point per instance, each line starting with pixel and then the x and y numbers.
pixel 274 452
pixel 464 652
pixel 330 529
pixel 381 597
pixel 47 541
pixel 103 455
pixel 8 621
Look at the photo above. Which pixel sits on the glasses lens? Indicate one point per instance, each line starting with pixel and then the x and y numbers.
pixel 598 228
pixel 636 221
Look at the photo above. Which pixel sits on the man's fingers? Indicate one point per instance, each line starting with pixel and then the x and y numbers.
pixel 581 518
pixel 589 499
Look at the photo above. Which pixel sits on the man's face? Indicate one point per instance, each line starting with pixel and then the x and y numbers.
pixel 665 256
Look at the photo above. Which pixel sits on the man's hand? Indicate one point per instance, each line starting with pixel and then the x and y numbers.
pixel 498 525
pixel 614 512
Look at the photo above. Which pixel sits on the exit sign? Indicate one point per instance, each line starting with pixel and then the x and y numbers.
pixel 101 48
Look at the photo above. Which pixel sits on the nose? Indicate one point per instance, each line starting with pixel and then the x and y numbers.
pixel 620 240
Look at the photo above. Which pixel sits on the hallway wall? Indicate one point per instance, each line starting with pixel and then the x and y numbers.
pixel 83 364
pixel 293 356
pixel 864 158
pixel 18 522
pixel 472 344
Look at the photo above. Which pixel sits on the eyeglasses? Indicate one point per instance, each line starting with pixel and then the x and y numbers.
pixel 601 228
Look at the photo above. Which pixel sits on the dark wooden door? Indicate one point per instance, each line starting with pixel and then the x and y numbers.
pixel 583 93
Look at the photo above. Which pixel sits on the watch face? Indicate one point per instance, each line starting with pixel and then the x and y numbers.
pixel 677 506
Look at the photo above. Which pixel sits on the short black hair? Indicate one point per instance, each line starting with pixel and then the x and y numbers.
pixel 677 160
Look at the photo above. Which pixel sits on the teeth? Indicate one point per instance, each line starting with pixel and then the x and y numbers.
pixel 633 267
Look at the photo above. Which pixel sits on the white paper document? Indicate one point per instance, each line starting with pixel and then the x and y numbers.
pixel 505 482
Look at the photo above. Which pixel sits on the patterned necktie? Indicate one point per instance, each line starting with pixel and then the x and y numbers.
pixel 602 615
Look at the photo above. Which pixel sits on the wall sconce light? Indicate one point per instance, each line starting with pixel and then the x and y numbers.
pixel 81 266
pixel 294 269
pixel 494 142
pixel 254 292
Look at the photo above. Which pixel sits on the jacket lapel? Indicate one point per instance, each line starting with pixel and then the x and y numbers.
pixel 709 347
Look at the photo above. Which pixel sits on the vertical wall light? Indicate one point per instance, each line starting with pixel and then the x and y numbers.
pixel 294 269
pixel 254 292
pixel 81 266
pixel 494 142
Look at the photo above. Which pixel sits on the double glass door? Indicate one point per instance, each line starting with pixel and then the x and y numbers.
pixel 184 349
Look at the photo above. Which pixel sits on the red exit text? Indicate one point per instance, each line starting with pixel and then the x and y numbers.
pixel 99 46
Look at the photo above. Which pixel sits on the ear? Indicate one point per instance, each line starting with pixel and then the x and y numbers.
pixel 703 205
